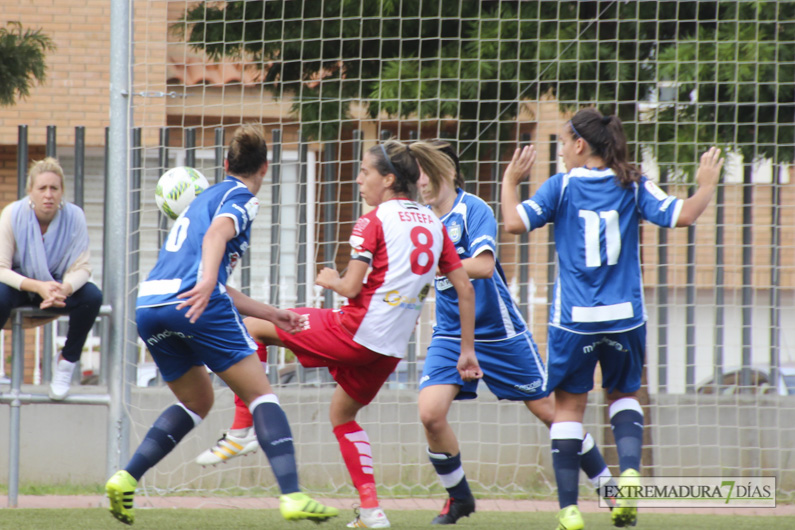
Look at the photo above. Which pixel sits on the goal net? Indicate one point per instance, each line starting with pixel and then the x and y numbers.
pixel 329 79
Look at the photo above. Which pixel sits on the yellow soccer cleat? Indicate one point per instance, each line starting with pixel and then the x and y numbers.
pixel 625 512
pixel 297 506
pixel 121 489
pixel 570 518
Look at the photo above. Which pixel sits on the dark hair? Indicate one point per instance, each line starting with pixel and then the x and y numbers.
pixel 605 137
pixel 248 150
pixel 447 148
pixel 404 162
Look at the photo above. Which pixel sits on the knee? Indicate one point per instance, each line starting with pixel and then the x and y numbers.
pixel 201 407
pixel 91 295
pixel 432 419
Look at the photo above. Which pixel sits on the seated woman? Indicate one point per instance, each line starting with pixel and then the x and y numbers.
pixel 44 262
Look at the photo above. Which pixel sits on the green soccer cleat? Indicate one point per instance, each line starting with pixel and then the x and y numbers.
pixel 297 506
pixel 121 489
pixel 625 512
pixel 570 518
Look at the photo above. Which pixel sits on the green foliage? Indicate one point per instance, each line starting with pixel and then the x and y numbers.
pixel 477 62
pixel 735 83
pixel 22 52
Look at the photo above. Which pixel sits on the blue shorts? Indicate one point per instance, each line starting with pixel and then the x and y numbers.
pixel 572 360
pixel 218 339
pixel 512 368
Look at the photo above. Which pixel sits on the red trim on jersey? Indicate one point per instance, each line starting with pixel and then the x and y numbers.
pixel 449 259
pixel 371 231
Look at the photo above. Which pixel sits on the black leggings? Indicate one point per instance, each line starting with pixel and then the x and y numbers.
pixel 82 308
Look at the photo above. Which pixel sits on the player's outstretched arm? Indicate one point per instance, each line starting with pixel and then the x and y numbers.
pixel 468 365
pixel 285 320
pixel 707 179
pixel 516 172
pixel 349 285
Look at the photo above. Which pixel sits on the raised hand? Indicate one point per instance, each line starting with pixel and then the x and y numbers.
pixel 520 165
pixel 709 169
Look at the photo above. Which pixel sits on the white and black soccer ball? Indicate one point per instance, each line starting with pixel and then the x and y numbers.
pixel 177 188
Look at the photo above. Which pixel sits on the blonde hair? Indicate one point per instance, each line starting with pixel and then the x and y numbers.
pixel 404 161
pixel 48 165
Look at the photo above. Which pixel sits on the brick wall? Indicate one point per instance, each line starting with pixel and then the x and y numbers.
pixel 77 89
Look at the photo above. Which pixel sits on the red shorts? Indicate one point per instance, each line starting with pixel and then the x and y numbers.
pixel 359 371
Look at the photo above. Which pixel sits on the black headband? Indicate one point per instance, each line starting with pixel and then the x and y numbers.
pixel 388 161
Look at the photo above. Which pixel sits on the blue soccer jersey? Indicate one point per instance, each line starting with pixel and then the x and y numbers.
pixel 599 287
pixel 178 266
pixel 472 227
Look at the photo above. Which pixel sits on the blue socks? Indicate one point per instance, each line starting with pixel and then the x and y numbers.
pixel 591 460
pixel 451 474
pixel 626 419
pixel 166 432
pixel 275 438
pixel 566 446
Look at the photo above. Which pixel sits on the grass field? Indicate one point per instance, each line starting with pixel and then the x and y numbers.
pixel 177 519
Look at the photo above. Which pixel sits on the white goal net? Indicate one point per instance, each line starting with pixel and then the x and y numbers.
pixel 328 79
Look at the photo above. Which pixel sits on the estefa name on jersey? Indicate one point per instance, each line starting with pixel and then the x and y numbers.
pixel 415 217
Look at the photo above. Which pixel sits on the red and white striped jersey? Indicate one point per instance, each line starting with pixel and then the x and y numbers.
pixel 405 244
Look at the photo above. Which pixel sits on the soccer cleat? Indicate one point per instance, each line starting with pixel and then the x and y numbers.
pixel 570 518
pixel 625 512
pixel 61 379
pixel 297 506
pixel 228 447
pixel 610 500
pixel 370 518
pixel 121 489
pixel 455 509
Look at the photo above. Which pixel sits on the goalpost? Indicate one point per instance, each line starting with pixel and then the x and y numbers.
pixel 329 79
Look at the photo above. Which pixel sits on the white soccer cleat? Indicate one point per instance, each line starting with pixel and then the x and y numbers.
pixel 61 379
pixel 370 518
pixel 228 447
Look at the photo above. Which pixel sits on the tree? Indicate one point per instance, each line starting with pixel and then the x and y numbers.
pixel 477 62
pixel 734 81
pixel 23 53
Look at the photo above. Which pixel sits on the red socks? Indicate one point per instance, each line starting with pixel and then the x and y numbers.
pixel 355 449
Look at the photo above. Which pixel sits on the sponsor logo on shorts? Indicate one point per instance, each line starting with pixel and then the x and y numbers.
pixel 530 388
pixel 425 378
pixel 154 339
pixel 604 340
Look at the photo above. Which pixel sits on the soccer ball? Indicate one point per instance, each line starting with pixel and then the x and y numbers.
pixel 177 188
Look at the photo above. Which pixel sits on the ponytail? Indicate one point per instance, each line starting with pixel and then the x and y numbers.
pixel 446 148
pixel 605 136
pixel 404 161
